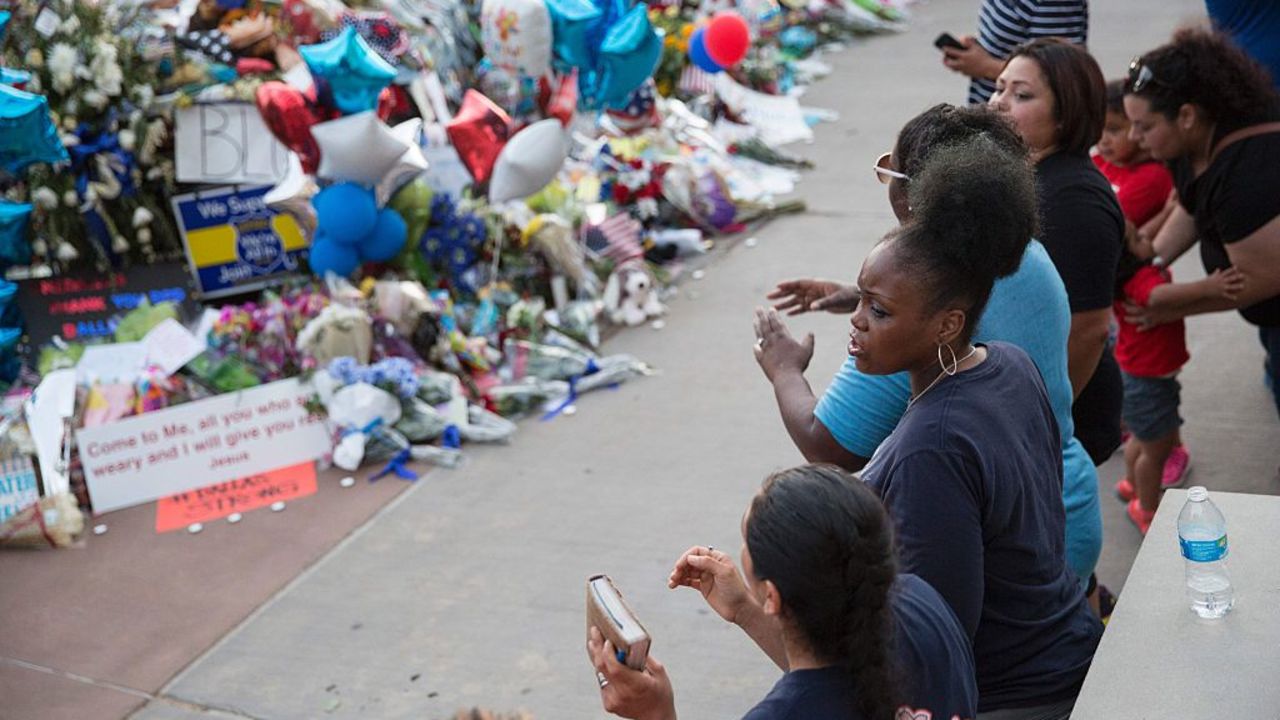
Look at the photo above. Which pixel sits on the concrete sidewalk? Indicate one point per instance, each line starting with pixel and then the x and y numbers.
pixel 468 590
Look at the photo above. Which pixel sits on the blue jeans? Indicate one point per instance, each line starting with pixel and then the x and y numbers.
pixel 1270 337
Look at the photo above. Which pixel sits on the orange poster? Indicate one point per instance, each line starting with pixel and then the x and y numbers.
pixel 234 496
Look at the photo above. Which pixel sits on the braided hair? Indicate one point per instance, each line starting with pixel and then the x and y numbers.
pixel 826 543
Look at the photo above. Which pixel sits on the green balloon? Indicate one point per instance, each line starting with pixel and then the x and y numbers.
pixel 413 202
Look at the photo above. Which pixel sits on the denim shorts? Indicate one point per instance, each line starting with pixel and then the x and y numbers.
pixel 1151 406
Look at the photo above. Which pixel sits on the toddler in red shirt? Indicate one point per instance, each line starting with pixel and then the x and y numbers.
pixel 1150 359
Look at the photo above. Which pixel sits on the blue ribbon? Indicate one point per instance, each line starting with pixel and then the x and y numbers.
pixel 591 369
pixel 397 465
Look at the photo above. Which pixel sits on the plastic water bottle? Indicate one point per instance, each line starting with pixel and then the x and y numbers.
pixel 1202 534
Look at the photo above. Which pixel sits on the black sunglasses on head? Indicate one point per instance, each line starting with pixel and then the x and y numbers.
pixel 1140 77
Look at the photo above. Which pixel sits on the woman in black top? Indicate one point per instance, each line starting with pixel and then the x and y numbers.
pixel 820 594
pixel 1056 96
pixel 1203 106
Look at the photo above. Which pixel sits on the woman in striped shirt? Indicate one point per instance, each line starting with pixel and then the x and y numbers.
pixel 1004 25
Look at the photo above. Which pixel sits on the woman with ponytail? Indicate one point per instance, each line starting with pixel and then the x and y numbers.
pixel 819 593
pixel 972 475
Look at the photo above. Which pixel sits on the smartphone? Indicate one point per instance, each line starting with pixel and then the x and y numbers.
pixel 947 40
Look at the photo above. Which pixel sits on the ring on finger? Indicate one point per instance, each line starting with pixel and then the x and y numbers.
pixel 600 678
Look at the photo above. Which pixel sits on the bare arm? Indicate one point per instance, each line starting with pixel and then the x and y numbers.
pixel 796 403
pixel 1176 236
pixel 1085 344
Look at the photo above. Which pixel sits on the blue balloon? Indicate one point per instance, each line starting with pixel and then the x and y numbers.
pixel 4 22
pixel 388 237
pixel 628 56
pixel 329 256
pixel 9 76
pixel 27 133
pixel 698 52
pixel 9 340
pixel 572 22
pixel 14 248
pixel 345 212
pixel 354 72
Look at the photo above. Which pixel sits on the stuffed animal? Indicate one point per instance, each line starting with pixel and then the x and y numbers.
pixel 631 295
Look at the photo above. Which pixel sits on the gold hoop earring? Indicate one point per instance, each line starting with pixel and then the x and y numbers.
pixel 955 361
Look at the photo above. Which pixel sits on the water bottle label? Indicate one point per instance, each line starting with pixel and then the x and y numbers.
pixel 1204 550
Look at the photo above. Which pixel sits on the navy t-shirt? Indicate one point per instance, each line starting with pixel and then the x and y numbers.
pixel 934 665
pixel 973 479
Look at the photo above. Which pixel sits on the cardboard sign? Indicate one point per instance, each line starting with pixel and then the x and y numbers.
pixel 218 501
pixel 198 444
pixel 17 485
pixel 235 243
pixel 87 307
pixel 226 143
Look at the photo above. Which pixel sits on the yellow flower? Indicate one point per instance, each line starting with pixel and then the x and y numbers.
pixel 672 11
pixel 686 32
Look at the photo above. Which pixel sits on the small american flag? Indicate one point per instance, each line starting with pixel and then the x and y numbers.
pixel 696 81
pixel 617 238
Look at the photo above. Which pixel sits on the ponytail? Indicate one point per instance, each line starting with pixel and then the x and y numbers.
pixel 825 542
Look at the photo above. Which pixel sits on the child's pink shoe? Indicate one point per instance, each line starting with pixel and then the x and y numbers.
pixel 1125 490
pixel 1139 516
pixel 1176 468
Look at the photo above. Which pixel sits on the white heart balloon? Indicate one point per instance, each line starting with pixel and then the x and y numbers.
pixel 529 160
pixel 357 148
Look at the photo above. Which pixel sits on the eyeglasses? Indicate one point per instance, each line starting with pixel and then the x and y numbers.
pixel 1140 76
pixel 885 172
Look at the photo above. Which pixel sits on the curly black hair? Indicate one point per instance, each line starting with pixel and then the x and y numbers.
pixel 1205 68
pixel 945 124
pixel 825 541
pixel 974 211
pixel 1115 95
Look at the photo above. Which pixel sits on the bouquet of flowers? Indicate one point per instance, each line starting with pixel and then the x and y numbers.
pixel 265 335
pixel 110 203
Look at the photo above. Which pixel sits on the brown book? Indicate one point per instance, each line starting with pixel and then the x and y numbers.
pixel 609 613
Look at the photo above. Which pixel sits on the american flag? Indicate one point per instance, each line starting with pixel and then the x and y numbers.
pixel 617 238
pixel 641 110
pixel 696 81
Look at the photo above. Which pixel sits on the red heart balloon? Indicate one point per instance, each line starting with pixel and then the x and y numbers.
pixel 289 114
pixel 478 132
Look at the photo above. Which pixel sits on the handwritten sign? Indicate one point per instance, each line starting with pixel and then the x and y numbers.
pixel 235 242
pixel 202 443
pixel 226 143
pixel 242 495
pixel 86 307
pixel 17 485
pixel 778 118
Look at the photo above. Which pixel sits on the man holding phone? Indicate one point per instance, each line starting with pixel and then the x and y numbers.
pixel 1004 25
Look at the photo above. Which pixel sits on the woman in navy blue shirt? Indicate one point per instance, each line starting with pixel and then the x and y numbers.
pixel 822 598
pixel 972 475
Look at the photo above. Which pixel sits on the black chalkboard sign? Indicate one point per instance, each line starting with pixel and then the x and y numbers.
pixel 87 307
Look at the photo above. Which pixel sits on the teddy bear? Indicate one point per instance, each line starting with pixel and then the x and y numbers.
pixel 631 295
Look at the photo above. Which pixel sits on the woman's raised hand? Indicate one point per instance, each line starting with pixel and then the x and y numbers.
pixel 712 573
pixel 800 296
pixel 639 694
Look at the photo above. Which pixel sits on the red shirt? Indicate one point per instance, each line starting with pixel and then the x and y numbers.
pixel 1162 349
pixel 1142 189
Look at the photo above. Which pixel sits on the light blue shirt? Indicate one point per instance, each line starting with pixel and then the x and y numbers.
pixel 1028 309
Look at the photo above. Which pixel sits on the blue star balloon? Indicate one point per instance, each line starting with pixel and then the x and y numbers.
pixel 27 133
pixel 14 248
pixel 9 76
pixel 571 24
pixel 628 56
pixel 354 72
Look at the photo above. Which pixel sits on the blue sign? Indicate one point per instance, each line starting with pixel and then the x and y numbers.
pixel 235 243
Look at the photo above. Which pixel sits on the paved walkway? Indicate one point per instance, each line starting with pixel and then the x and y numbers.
pixel 468 589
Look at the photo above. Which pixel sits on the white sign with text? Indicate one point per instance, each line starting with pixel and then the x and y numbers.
pixel 230 436
pixel 228 144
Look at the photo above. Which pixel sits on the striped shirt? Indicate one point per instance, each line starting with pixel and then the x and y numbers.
pixel 1005 24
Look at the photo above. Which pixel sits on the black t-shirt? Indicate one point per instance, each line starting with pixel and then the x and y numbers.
pixel 1082 228
pixel 935 668
pixel 1232 199
pixel 973 479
